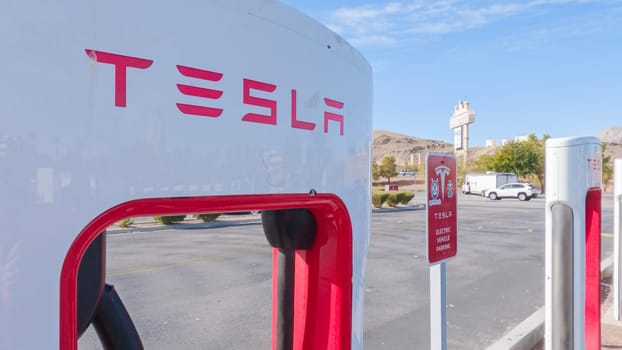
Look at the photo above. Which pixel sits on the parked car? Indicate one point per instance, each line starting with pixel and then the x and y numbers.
pixel 522 191
pixel 405 172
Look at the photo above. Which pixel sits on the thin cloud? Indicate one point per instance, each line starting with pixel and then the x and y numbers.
pixel 376 40
pixel 388 24
pixel 538 37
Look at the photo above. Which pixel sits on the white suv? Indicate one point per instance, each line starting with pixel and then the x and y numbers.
pixel 522 191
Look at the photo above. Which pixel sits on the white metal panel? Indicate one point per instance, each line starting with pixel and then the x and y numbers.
pixel 67 153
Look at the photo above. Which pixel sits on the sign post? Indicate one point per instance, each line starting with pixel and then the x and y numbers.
pixel 442 237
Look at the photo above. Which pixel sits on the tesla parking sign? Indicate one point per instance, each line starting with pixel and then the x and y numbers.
pixel 441 191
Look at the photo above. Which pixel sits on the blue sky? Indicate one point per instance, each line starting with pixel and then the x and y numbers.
pixel 535 66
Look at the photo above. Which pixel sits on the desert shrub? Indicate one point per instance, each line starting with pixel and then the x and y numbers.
pixel 169 219
pixel 399 197
pixel 125 222
pixel 392 199
pixel 207 217
pixel 404 197
pixel 378 198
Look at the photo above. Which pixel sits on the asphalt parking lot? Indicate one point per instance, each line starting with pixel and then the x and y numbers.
pixel 211 288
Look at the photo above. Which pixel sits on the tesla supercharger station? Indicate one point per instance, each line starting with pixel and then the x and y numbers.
pixel 572 265
pixel 113 110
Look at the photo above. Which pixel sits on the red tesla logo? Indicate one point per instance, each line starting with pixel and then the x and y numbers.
pixel 120 63
pixel 199 92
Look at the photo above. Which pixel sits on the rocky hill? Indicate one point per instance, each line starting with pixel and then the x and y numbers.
pixel 405 149
pixel 412 150
pixel 611 135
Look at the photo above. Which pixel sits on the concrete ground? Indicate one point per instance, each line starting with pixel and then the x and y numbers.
pixel 611 330
pixel 529 335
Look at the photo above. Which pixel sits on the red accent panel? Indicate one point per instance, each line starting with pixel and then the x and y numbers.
pixel 333 116
pixel 260 102
pixel 199 73
pixel 199 110
pixel 120 63
pixel 298 123
pixel 323 290
pixel 333 103
pixel 592 269
pixel 199 92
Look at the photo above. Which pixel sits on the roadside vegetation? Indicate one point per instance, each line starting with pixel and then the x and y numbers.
pixel 169 219
pixel 173 219
pixel 526 159
pixel 127 222
pixel 207 217
pixel 379 197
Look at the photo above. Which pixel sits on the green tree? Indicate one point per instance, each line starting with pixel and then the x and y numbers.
pixel 484 163
pixel 540 173
pixel 388 168
pixel 606 165
pixel 461 170
pixel 375 170
pixel 522 158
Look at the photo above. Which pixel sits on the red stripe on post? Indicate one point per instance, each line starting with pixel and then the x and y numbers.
pixel 592 269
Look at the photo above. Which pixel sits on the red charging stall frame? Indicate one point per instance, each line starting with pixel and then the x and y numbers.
pixel 323 274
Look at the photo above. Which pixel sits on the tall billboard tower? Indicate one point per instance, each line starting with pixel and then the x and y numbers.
pixel 459 121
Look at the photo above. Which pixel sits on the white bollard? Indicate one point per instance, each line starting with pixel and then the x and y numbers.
pixel 573 178
pixel 617 242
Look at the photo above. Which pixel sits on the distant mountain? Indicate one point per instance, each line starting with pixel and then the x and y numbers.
pixel 611 135
pixel 405 149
